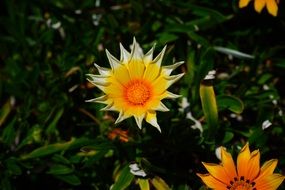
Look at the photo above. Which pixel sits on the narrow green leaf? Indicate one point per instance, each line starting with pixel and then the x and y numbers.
pixel 57 147
pixel 59 169
pixel 231 103
pixel 9 134
pixel 70 179
pixel 52 126
pixel 124 179
pixel 209 105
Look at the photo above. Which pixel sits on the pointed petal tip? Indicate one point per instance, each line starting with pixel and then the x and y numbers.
pixel 139 120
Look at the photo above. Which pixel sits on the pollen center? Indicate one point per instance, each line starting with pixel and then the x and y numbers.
pixel 241 184
pixel 137 92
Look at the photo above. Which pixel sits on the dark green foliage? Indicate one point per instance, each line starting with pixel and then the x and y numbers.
pixel 50 138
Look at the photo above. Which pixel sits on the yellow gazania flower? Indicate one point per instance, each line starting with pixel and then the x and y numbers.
pixel 271 5
pixel 247 176
pixel 135 85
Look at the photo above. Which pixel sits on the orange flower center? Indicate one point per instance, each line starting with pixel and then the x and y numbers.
pixel 137 92
pixel 241 184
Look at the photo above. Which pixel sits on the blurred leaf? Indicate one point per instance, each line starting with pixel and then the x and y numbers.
pixel 144 184
pixel 59 169
pixel 233 53
pixel 210 17
pixel 60 159
pixel 9 133
pixel 52 126
pixel 13 167
pixel 209 105
pixel 57 147
pixel 34 134
pixel 159 183
pixel 228 136
pixel 231 103
pixel 198 38
pixel 4 111
pixel 124 180
pixel 264 78
pixel 165 38
pixel 70 179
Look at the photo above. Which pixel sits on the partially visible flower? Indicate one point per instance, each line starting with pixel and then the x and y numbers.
pixel 271 5
pixel 135 84
pixel 246 176
pixel 122 135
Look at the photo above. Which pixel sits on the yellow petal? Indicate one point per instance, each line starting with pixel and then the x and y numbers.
pixel 139 120
pixel 119 103
pixel 268 167
pixel 253 165
pixel 121 74
pixel 136 50
pixel 228 163
pixel 148 56
pixel 242 160
pixel 159 57
pixel 173 78
pixel 114 90
pixel 122 116
pixel 243 3
pixel 272 7
pixel 159 86
pixel 271 182
pixel 136 68
pixel 259 5
pixel 169 68
pixel 125 55
pixel 212 182
pixel 102 70
pixel 112 60
pixel 151 119
pixel 218 172
pixel 152 71
pixel 161 107
pixel 169 95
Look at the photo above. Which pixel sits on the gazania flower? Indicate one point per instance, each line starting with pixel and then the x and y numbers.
pixel 271 5
pixel 246 176
pixel 135 84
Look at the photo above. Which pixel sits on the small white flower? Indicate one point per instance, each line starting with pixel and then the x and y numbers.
pixel 266 124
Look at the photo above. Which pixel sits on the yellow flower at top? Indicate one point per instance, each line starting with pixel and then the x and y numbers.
pixel 271 5
pixel 135 84
pixel 246 176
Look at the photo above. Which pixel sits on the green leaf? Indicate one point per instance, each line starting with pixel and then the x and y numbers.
pixel 231 103
pixel 228 136
pixel 57 147
pixel 9 133
pixel 52 126
pixel 70 179
pixel 124 180
pixel 166 38
pixel 13 167
pixel 209 105
pixel 59 169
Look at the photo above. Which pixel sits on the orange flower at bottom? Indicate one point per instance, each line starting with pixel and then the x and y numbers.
pixel 246 176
